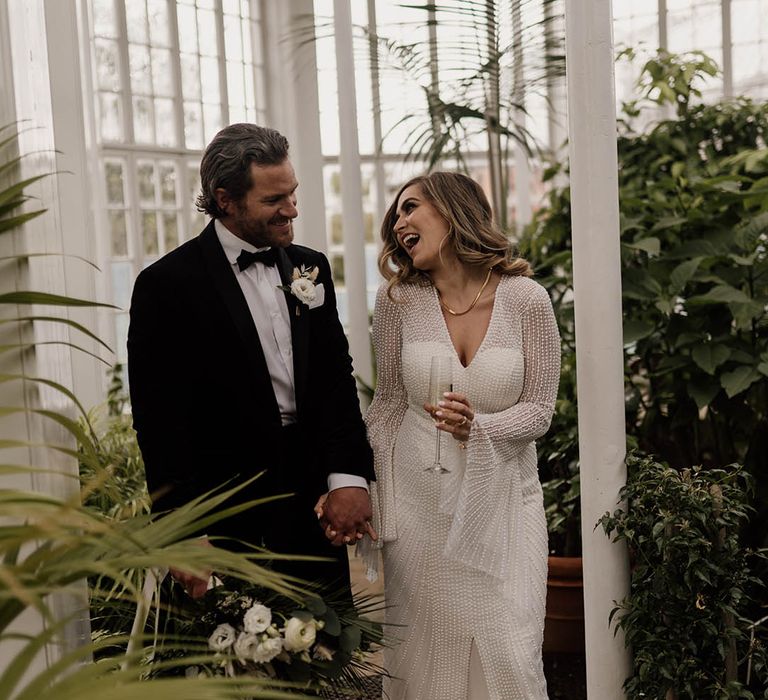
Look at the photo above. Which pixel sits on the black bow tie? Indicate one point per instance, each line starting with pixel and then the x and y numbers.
pixel 267 257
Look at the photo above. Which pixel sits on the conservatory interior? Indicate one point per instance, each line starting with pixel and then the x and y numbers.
pixel 623 145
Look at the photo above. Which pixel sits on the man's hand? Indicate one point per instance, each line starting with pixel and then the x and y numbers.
pixel 195 586
pixel 345 515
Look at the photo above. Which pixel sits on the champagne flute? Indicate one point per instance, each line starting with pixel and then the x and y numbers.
pixel 440 378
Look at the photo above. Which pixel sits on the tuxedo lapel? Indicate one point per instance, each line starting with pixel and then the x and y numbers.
pixel 299 315
pixel 226 285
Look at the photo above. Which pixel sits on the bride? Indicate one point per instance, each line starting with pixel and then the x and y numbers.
pixel 464 551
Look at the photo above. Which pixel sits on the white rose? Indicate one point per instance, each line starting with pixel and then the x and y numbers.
pixel 299 635
pixel 222 638
pixel 303 289
pixel 267 650
pixel 246 645
pixel 257 619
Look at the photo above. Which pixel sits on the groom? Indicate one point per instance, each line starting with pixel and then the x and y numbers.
pixel 238 364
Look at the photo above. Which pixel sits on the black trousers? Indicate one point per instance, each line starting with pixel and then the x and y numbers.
pixel 289 524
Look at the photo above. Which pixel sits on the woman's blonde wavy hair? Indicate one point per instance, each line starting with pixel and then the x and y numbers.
pixel 475 238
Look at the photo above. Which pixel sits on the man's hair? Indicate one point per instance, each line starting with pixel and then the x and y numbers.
pixel 227 160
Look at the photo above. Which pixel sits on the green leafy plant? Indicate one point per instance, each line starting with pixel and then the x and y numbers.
pixel 694 226
pixel 693 584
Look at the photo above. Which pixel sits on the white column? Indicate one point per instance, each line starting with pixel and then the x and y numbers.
pixel 293 108
pixel 598 318
pixel 41 60
pixel 351 194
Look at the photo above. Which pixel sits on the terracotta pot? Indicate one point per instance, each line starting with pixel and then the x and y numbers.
pixel 564 623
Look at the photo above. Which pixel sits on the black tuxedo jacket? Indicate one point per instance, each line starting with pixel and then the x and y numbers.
pixel 203 405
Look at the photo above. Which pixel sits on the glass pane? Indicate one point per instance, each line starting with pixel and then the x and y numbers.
pixel 232 7
pixel 118 233
pixel 235 83
pixel 190 77
pixel 107 64
pixel 193 181
pixel 165 122
pixel 145 173
pixel 245 30
pixel 121 337
pixel 187 29
pixel 245 8
pixel 171 231
pixel 104 18
pixel 149 232
pixel 249 96
pixel 193 125
pixel 207 4
pixel 237 114
pixel 141 81
pixel 206 25
pixel 159 24
pixel 167 183
pixel 136 17
pixel 143 120
pixel 113 177
pixel 110 117
pixel 162 77
pixel 233 47
pixel 212 120
pixel 121 284
pixel 209 74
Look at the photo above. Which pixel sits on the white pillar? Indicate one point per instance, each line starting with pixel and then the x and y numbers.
pixel 598 318
pixel 41 59
pixel 351 194
pixel 293 108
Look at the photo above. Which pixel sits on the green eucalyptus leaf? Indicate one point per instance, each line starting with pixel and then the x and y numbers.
pixel 350 638
pixel 721 294
pixel 738 380
pixel 681 275
pixel 636 329
pixel 650 245
pixel 709 357
pixel 703 394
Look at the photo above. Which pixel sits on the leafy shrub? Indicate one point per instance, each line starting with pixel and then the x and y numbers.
pixel 692 583
pixel 693 196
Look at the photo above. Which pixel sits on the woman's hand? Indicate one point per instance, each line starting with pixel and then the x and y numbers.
pixel 454 415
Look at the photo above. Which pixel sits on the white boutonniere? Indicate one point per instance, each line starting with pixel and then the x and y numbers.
pixel 302 284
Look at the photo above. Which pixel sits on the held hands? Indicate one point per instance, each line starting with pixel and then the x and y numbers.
pixel 345 515
pixel 454 415
pixel 195 586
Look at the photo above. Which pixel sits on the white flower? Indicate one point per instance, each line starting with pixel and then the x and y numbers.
pixel 299 635
pixel 246 645
pixel 303 284
pixel 257 619
pixel 267 649
pixel 222 638
pixel 304 290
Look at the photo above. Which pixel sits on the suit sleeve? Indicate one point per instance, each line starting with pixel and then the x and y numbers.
pixel 156 389
pixel 346 448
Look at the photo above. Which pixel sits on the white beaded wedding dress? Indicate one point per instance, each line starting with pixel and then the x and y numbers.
pixel 465 552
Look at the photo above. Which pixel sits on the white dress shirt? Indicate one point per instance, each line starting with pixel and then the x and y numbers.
pixel 260 285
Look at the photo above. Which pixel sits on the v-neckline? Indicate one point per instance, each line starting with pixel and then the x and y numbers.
pixel 448 332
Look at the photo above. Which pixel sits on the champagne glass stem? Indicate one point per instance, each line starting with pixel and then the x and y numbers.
pixel 437 464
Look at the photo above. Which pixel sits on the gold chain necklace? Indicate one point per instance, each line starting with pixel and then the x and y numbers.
pixel 474 301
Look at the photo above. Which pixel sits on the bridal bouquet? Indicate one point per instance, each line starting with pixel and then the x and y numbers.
pixel 252 631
